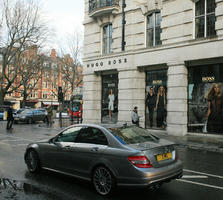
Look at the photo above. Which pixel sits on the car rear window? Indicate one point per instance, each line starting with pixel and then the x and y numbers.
pixel 132 135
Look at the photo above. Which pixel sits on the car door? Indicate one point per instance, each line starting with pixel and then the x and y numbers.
pixel 56 153
pixel 90 143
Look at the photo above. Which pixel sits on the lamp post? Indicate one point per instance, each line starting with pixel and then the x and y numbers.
pixel 71 109
pixel 60 99
pixel 123 25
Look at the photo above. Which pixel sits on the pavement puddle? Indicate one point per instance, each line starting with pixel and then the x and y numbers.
pixel 18 190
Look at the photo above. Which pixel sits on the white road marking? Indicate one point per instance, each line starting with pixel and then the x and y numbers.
pixel 206 174
pixel 11 140
pixel 194 176
pixel 202 184
pixel 18 138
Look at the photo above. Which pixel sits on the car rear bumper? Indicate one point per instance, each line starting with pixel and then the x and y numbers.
pixel 155 175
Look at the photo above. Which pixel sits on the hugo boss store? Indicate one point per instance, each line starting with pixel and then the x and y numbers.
pixel 183 97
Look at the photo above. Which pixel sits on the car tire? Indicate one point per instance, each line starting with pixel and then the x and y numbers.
pixel 103 181
pixel 32 161
pixel 45 120
pixel 30 121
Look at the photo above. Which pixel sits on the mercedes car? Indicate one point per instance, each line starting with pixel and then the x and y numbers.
pixel 108 156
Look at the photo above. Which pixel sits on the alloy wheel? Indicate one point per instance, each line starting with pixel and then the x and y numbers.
pixel 103 180
pixel 32 161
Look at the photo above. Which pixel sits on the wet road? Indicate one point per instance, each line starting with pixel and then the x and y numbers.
pixel 203 174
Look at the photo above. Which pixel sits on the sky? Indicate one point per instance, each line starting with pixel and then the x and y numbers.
pixel 64 16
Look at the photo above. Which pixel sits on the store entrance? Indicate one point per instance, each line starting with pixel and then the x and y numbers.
pixel 156 99
pixel 109 102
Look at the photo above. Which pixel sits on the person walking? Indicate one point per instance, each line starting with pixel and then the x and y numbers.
pixel 135 116
pixel 49 115
pixel 9 118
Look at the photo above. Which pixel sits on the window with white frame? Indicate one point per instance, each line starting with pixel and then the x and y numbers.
pixel 153 29
pixel 107 39
pixel 205 18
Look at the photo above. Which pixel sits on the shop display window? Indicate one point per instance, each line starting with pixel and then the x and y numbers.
pixel 205 99
pixel 109 103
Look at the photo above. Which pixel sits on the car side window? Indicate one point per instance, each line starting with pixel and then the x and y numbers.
pixel 92 136
pixel 68 135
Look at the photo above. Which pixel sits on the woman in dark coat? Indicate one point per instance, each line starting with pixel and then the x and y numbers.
pixel 215 106
pixel 161 107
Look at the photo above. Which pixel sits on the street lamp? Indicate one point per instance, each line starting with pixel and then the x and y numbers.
pixel 60 99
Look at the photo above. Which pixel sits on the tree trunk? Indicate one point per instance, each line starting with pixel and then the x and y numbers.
pixel 24 100
pixel 2 97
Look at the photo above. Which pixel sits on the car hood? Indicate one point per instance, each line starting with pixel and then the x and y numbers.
pixel 151 144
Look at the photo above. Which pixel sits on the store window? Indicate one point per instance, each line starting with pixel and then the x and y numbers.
pixel 205 18
pixel 107 39
pixel 109 103
pixel 156 99
pixel 205 100
pixel 153 29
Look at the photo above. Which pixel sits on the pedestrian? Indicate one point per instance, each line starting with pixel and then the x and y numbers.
pixel 161 107
pixel 49 115
pixel 151 103
pixel 135 116
pixel 9 118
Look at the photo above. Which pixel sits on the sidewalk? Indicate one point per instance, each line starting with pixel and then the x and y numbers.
pixel 208 142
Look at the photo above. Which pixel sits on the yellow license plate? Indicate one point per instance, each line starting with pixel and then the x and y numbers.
pixel 164 156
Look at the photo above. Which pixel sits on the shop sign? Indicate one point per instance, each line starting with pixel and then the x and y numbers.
pixel 157 82
pixel 208 79
pixel 109 62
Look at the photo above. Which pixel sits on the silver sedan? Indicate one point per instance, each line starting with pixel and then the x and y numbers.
pixel 107 155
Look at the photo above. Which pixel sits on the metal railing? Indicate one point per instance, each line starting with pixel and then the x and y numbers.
pixel 97 4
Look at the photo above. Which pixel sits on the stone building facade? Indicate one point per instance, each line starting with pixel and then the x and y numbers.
pixel 176 44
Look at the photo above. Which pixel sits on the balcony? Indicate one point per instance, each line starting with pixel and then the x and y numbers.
pixel 101 7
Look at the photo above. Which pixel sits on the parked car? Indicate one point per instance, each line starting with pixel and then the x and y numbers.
pixel 4 109
pixel 30 116
pixel 107 155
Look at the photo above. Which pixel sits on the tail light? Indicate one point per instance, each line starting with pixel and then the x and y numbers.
pixel 140 161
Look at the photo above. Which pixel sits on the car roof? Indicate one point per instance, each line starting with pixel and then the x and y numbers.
pixel 107 126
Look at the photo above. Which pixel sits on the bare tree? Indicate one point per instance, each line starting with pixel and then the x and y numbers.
pixel 71 61
pixel 31 74
pixel 23 27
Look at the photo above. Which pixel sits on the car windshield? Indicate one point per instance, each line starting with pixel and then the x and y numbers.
pixel 76 106
pixel 27 112
pixel 132 135
pixel 19 111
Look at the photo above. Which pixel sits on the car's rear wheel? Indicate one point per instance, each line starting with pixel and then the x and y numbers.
pixel 30 121
pixel 32 161
pixel 103 180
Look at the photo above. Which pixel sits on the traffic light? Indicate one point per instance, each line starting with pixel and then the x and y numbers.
pixel 60 94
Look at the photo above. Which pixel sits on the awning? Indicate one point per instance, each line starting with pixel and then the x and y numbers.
pixel 48 103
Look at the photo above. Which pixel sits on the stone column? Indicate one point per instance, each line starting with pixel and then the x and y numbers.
pixel 131 93
pixel 177 99
pixel 219 17
pixel 91 98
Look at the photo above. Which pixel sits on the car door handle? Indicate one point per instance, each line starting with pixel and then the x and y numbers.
pixel 94 149
pixel 67 148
